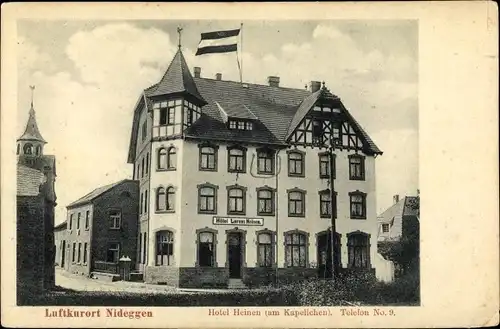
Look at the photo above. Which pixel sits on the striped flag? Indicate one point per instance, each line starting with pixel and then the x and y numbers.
pixel 218 42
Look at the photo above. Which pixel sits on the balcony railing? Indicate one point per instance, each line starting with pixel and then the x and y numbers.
pixel 106 267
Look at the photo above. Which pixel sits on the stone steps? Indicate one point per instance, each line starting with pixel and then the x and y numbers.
pixel 236 284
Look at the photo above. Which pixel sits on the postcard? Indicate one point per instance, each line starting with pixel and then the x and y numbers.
pixel 250 165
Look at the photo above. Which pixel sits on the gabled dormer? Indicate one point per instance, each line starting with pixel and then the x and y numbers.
pixel 237 116
pixel 175 101
pixel 322 120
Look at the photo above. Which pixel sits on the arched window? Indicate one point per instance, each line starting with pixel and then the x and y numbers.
pixel 208 158
pixel 295 249
pixel 358 245
pixel 165 199
pixel 162 158
pixel 172 158
pixel 236 200
pixel 206 248
pixel 164 248
pixel 18 148
pixel 38 150
pixel 265 254
pixel 170 198
pixel 325 204
pixel 236 160
pixel 28 149
pixel 265 161
pixel 265 201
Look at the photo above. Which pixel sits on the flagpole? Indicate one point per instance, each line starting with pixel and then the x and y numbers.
pixel 241 53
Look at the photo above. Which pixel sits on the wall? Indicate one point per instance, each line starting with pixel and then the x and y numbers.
pixel 116 199
pixel 79 237
pixel 30 245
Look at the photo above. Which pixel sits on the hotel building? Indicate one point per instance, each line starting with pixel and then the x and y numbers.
pixel 234 182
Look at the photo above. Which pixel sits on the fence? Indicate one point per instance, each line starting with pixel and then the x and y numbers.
pixel 106 267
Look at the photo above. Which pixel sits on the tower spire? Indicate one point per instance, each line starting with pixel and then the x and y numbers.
pixel 32 94
pixel 31 132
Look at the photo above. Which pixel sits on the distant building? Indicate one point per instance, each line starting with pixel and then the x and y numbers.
pixel 60 238
pixel 234 181
pixel 36 199
pixel 101 227
pixel 400 219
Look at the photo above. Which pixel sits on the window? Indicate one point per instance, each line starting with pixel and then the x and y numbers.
pixel 265 162
pixel 144 130
pixel 38 150
pixel 147 163
pixel 87 219
pixel 232 124
pixel 164 248
pixel 79 252
pixel 146 201
pixel 356 167
pixel 170 199
pixel 358 250
pixel 142 169
pixel 113 253
pixel 115 218
pixel 324 165
pixel 78 221
pixel 208 158
pixel 265 249
pixel 73 256
pixel 240 125
pixel 85 250
pixel 325 204
pixel 236 200
pixel 248 126
pixel 207 199
pixel 296 164
pixel 265 201
pixel 167 115
pixel 172 158
pixel 70 222
pixel 28 149
pixel 296 203
pixel 165 199
pixel 206 249
pixel 295 250
pixel 358 205
pixel 236 160
pixel 144 248
pixel 317 132
pixel 163 116
pixel 385 228
pixel 162 158
pixel 18 149
pixel 141 202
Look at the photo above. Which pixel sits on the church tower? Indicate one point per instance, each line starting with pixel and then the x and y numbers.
pixel 31 142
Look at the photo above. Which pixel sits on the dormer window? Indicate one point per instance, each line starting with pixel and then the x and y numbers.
pixel 240 125
pixel 167 111
pixel 317 131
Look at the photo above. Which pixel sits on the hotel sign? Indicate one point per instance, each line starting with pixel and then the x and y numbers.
pixel 244 221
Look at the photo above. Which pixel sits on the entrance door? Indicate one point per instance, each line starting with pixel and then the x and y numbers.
pixel 234 254
pixel 63 253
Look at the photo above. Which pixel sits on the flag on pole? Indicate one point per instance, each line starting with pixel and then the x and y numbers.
pixel 218 42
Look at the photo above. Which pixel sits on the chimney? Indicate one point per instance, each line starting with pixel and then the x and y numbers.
pixel 396 198
pixel 218 76
pixel 273 81
pixel 197 72
pixel 315 86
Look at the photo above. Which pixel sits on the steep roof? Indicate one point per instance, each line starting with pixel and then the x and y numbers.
pixel 95 193
pixel 177 79
pixel 61 226
pixel 31 132
pixel 29 181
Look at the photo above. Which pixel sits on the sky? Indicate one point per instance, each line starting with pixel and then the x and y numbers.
pixel 89 74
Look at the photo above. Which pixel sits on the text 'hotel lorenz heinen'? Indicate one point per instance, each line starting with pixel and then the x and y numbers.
pixel 234 182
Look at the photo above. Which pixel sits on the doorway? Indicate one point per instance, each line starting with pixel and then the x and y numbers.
pixel 234 254
pixel 324 246
pixel 63 253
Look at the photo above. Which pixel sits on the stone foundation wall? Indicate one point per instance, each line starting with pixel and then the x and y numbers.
pixel 203 277
pixel 162 275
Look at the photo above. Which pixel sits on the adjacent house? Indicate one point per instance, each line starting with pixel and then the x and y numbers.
pixel 234 181
pixel 400 219
pixel 60 237
pixel 101 227
pixel 36 199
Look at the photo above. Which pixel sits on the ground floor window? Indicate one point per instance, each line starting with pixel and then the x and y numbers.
pixel 295 249
pixel 206 249
pixel 79 252
pixel 358 250
pixel 113 253
pixel 73 257
pixel 164 248
pixel 265 249
pixel 85 246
